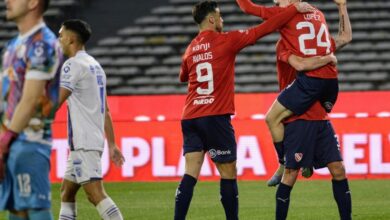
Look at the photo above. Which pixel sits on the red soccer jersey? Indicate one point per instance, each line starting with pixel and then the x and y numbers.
pixel 208 66
pixel 305 35
pixel 286 75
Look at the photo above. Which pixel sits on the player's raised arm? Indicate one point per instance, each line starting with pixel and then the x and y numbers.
pixel 250 36
pixel 345 30
pixel 248 7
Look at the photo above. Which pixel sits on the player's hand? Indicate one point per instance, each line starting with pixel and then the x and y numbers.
pixel 116 156
pixel 304 7
pixel 6 139
pixel 333 59
pixel 340 2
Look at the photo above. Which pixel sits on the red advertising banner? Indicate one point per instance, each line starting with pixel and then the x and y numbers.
pixel 148 132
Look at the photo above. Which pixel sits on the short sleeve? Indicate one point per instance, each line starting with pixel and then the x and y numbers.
pixel 71 74
pixel 42 61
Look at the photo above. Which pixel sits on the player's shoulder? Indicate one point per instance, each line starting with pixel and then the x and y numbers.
pixel 71 64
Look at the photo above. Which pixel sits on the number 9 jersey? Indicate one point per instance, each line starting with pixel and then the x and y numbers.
pixel 85 78
pixel 208 66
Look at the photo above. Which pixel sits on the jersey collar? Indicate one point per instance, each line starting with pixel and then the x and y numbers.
pixel 32 31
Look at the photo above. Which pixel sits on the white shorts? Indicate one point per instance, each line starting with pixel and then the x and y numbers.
pixel 84 166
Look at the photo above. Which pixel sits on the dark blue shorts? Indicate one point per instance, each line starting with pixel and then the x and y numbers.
pixel 310 144
pixel 301 94
pixel 214 134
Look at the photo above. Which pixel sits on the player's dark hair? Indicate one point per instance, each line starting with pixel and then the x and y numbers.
pixel 202 9
pixel 45 5
pixel 80 27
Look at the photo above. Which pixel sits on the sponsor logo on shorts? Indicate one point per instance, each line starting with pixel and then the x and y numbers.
pixel 298 157
pixel 213 153
pixel 78 171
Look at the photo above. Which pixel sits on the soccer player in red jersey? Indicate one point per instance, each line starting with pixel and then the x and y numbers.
pixel 305 36
pixel 309 139
pixel 208 67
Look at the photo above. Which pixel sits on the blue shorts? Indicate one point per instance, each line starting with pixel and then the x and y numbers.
pixel 26 184
pixel 214 134
pixel 299 96
pixel 310 144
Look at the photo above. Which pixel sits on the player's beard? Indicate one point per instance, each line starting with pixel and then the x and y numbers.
pixel 219 28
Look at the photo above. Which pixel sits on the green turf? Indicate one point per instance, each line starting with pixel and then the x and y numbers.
pixel 311 200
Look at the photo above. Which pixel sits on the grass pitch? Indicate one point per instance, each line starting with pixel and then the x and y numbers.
pixel 310 200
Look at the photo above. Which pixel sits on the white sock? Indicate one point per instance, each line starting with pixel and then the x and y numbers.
pixel 68 211
pixel 108 210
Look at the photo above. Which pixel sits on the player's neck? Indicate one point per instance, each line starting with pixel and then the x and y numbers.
pixel 206 28
pixel 26 23
pixel 75 50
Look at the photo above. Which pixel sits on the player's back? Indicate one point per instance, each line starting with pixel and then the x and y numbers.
pixel 307 35
pixel 84 76
pixel 209 62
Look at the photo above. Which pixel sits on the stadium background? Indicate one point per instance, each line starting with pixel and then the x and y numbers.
pixel 139 44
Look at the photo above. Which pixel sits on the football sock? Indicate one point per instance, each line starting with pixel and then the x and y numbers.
pixel 68 211
pixel 229 198
pixel 108 210
pixel 280 151
pixel 183 196
pixel 342 195
pixel 40 214
pixel 282 201
pixel 14 217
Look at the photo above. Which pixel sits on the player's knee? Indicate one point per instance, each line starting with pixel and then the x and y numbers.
pixel 269 120
pixel 227 170
pixel 95 197
pixel 337 170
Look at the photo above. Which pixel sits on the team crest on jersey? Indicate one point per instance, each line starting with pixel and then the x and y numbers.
pixel 298 157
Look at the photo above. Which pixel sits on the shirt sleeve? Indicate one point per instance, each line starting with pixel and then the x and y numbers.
pixel 42 61
pixel 248 7
pixel 240 39
pixel 71 74
pixel 183 75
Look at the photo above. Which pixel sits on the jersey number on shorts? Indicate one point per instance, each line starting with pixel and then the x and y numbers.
pixel 24 184
pixel 205 78
pixel 312 35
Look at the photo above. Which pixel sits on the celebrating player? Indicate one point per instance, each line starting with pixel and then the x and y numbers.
pixel 208 67
pixel 83 85
pixel 30 78
pixel 304 36
pixel 309 139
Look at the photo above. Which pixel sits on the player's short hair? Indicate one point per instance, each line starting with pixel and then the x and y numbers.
pixel 80 27
pixel 202 9
pixel 45 5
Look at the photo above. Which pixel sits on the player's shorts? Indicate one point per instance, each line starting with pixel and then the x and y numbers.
pixel 301 94
pixel 84 166
pixel 310 144
pixel 214 134
pixel 26 184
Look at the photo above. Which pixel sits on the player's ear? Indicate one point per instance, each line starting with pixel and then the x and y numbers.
pixel 33 4
pixel 211 19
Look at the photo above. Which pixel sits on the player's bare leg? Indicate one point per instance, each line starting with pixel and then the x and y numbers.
pixel 274 117
pixel 97 196
pixel 229 189
pixel 68 200
pixel 341 192
pixel 183 197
